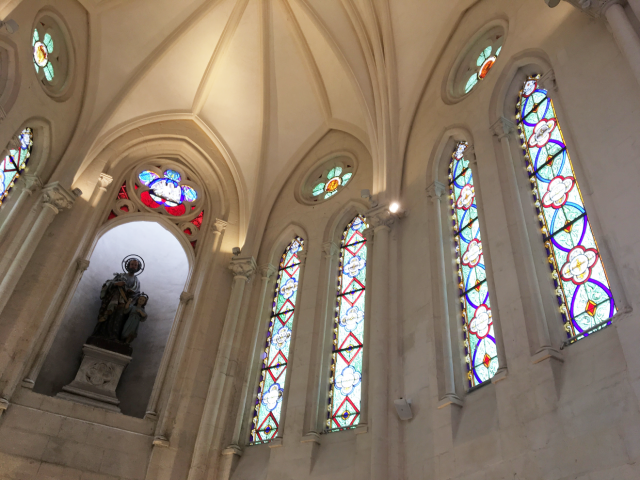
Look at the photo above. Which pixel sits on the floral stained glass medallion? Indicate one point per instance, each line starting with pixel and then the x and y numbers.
pixel 42 50
pixel 483 64
pixel 329 184
pixel 166 191
pixel 580 278
pixel 15 162
pixel 345 391
pixel 275 357
pixel 480 350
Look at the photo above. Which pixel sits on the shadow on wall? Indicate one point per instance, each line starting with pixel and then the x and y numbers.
pixel 163 280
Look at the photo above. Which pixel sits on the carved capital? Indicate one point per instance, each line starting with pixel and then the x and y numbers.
pixel 32 183
pixel 380 218
pixel 436 190
pixel 104 181
pixel 330 249
pixel 267 271
pixel 82 264
pixel 186 297
pixel 503 128
pixel 219 226
pixel 56 197
pixel 243 267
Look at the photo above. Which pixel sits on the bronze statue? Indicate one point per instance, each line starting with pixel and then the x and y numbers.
pixel 120 300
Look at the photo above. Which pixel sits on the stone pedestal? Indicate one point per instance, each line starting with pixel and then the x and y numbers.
pixel 97 379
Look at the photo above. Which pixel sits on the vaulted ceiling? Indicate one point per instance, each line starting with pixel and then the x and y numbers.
pixel 267 78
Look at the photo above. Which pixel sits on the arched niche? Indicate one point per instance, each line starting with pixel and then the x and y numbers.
pixel 169 260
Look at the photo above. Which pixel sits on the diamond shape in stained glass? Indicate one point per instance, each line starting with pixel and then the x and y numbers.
pixel 486 360
pixel 591 308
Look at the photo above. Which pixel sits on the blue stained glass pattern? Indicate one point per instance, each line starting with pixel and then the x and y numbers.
pixel 481 355
pixel 15 162
pixel 580 278
pixel 345 392
pixel 273 370
pixel 167 190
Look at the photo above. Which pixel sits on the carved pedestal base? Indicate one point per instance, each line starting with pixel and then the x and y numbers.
pixel 96 381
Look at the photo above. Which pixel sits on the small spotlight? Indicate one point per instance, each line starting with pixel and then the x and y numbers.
pixel 394 207
pixel 552 3
pixel 236 251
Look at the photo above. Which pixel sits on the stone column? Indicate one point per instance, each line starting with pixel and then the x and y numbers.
pixel 624 34
pixel 55 198
pixel 635 6
pixel 207 262
pixel 379 403
pixel 234 451
pixel 437 193
pixel 318 412
pixel 49 327
pixel 32 185
pixel 243 269
pixel 505 130
pixel 152 406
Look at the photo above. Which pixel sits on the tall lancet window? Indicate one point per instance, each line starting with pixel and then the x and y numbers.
pixel 481 354
pixel 345 392
pixel 581 282
pixel 15 162
pixel 273 373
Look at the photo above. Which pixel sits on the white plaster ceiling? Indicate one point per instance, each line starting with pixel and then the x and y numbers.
pixel 267 78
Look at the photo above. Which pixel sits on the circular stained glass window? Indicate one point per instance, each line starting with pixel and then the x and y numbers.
pixel 476 60
pixel 50 55
pixel 328 178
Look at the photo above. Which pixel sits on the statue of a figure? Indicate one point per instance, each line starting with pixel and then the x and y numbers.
pixel 120 298
pixel 135 314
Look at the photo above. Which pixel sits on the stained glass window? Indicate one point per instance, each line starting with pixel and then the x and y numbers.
pixel 273 369
pixel 345 392
pixel 330 184
pixel 15 162
pixel 42 49
pixel 481 355
pixel 484 62
pixel 166 191
pixel 581 281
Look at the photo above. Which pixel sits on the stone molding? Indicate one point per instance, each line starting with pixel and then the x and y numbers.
pixel 243 267
pixel 503 127
pixel 548 81
pixel 56 197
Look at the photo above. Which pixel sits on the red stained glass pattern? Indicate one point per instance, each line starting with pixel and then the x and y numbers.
pixel 112 215
pixel 123 195
pixel 198 220
pixel 176 211
pixel 148 201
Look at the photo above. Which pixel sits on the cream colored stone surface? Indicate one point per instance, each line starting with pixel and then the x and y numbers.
pixel 249 95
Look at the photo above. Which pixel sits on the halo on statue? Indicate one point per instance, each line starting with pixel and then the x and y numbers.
pixel 128 258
